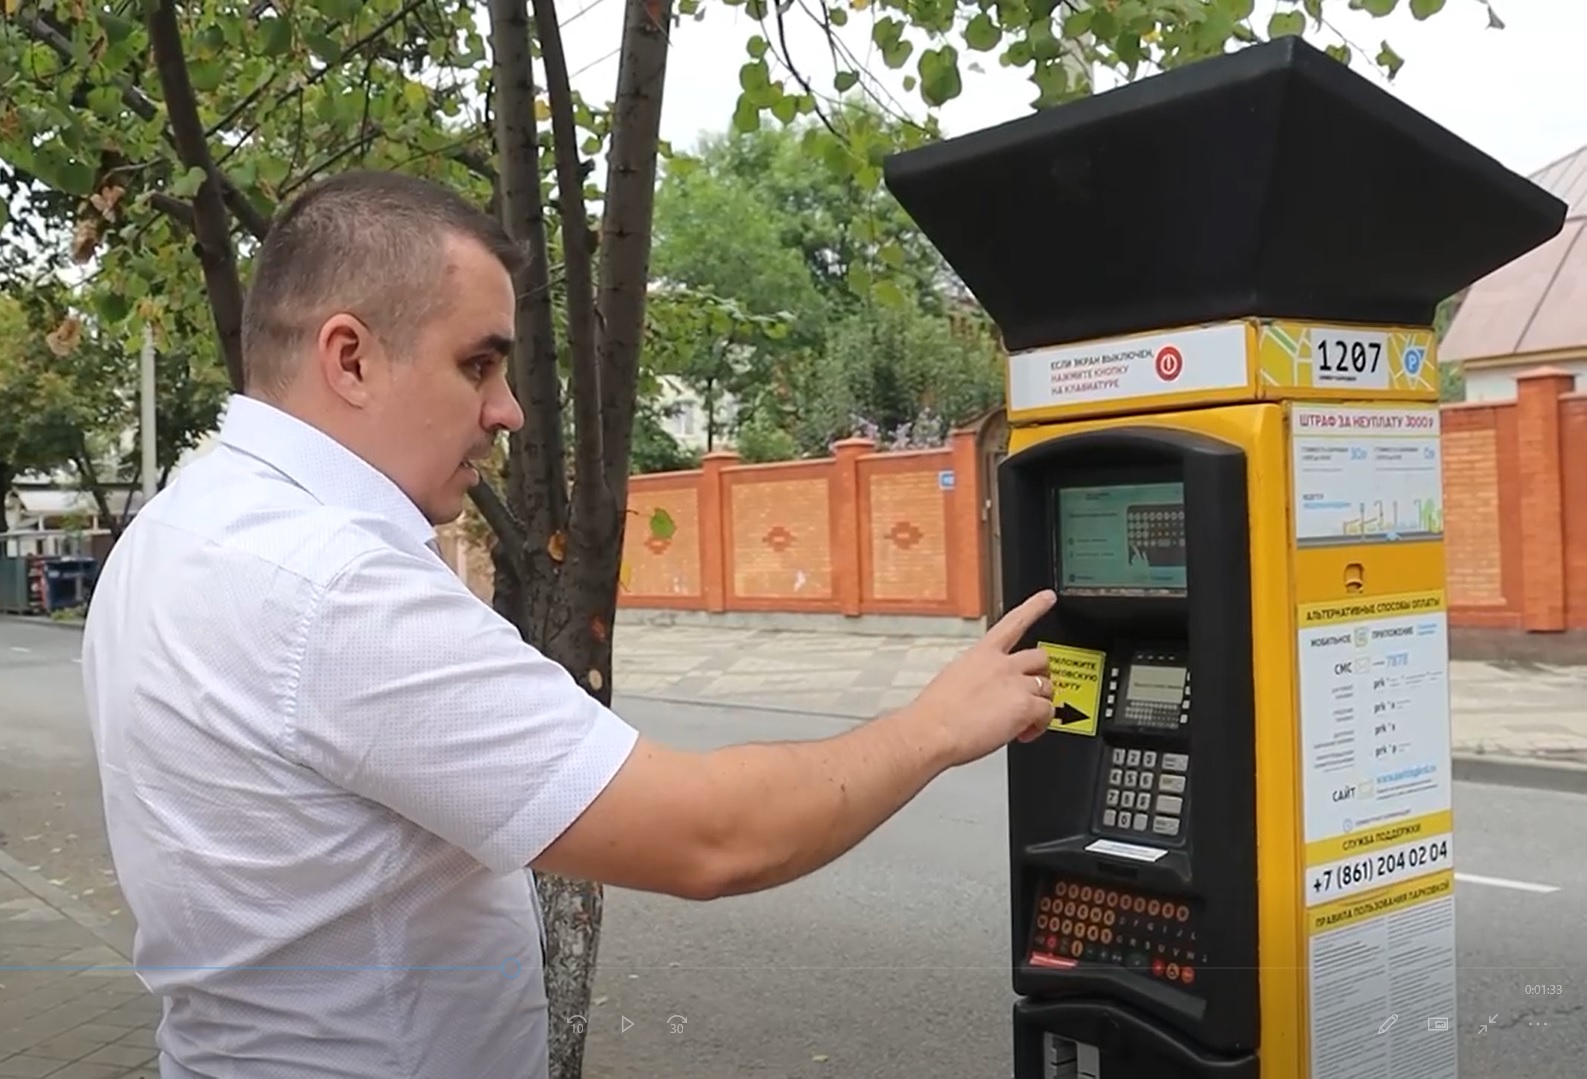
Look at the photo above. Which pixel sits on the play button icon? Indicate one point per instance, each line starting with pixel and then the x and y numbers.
pixel 627 1022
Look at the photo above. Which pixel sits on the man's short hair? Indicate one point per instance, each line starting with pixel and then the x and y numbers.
pixel 365 243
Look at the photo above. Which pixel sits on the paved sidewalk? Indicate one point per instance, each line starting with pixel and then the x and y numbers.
pixel 70 1007
pixel 1512 710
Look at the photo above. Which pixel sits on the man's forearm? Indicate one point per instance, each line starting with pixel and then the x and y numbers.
pixel 787 809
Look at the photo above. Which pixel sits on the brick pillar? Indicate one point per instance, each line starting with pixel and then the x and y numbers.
pixel 968 560
pixel 713 528
pixel 847 568
pixel 1542 510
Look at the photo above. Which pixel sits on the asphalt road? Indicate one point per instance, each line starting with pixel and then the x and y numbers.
pixel 889 963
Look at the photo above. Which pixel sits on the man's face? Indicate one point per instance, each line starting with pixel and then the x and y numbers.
pixel 446 398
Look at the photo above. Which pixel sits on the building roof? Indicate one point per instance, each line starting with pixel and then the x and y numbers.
pixel 1538 303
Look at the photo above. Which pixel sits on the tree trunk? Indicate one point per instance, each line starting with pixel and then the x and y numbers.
pixel 210 221
pixel 559 588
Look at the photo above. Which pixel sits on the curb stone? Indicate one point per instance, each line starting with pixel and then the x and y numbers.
pixel 38 620
pixel 1535 773
pixel 71 908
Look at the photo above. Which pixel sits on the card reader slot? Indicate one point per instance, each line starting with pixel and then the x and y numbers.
pixel 1171 872
pixel 1120 1031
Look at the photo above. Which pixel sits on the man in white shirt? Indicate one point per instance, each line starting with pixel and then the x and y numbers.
pixel 326 765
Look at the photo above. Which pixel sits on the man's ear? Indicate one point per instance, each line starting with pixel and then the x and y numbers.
pixel 344 350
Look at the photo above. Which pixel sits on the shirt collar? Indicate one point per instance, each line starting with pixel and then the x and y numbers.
pixel 323 467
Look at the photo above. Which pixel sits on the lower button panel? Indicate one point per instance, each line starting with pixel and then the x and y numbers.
pixel 1078 923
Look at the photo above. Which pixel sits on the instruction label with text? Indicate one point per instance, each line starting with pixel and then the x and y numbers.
pixel 1076 675
pixel 1365 474
pixel 1387 953
pixel 1204 358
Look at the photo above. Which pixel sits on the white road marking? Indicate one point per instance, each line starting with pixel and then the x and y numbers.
pixel 1503 882
pixel 19 648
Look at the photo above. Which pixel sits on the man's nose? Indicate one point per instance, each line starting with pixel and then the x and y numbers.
pixel 502 411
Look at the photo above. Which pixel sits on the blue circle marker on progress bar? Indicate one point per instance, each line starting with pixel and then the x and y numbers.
pixel 511 968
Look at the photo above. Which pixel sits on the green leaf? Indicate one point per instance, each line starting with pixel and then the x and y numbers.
pixel 116 28
pixel 75 178
pixel 328 51
pixel 113 307
pixel 888 293
pixel 106 102
pixel 207 76
pixel 1340 53
pixel 757 46
pixel 786 109
pixel 940 81
pixel 982 34
pixel 838 16
pixel 40 62
pixel 746 116
pixel 1389 60
pixel 1286 24
pixel 844 81
pixel 1078 23
pixel 272 170
pixel 754 76
pixel 414 95
pixel 1052 84
pixel 187 185
pixel 662 526
pixel 276 36
pixel 1426 9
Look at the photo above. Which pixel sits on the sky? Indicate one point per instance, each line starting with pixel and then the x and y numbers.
pixel 1519 94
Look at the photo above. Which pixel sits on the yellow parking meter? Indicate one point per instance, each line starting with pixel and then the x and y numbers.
pixel 1232 853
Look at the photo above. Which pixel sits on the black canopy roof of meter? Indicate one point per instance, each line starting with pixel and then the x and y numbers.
pixel 1270 182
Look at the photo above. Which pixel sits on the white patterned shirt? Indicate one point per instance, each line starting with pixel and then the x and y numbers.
pixel 326 765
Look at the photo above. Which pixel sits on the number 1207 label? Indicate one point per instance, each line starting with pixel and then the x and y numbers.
pixel 1349 358
pixel 1363 872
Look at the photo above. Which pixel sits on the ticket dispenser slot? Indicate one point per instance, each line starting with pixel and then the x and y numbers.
pixel 1133 819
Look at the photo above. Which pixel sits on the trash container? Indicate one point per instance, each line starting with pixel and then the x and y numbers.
pixel 68 581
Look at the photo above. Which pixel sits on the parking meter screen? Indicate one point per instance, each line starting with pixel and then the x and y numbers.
pixel 1122 539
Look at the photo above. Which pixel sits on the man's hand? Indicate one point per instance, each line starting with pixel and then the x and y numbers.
pixel 988 697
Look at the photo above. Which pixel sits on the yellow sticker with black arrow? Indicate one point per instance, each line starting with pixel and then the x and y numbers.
pixel 1076 675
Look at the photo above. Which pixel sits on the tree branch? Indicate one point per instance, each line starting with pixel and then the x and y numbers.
pixel 538 494
pixel 501 522
pixel 211 226
pixel 589 483
pixel 255 222
pixel 179 211
pixel 626 228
